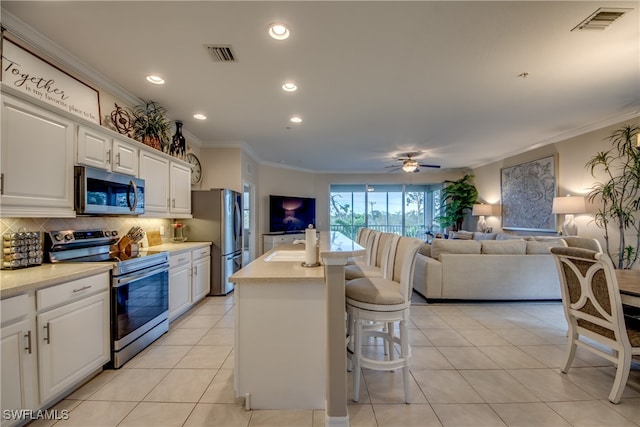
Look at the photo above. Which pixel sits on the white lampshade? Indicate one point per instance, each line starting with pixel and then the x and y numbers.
pixel 568 206
pixel 481 209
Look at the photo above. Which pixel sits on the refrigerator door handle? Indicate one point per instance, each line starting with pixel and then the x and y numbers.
pixel 237 223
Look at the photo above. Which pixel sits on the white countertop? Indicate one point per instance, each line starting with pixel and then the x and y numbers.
pixel 333 246
pixel 173 247
pixel 15 282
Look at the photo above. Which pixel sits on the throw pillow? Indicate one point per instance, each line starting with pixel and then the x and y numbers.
pixel 425 249
pixel 511 247
pixel 462 235
pixel 442 246
pixel 505 236
pixel 484 236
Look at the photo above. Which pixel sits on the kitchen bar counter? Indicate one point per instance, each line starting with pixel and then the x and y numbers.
pixel 15 282
pixel 289 330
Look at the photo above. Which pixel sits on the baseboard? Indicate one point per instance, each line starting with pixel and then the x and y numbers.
pixel 336 421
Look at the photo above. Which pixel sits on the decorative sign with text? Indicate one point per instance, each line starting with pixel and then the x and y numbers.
pixel 26 72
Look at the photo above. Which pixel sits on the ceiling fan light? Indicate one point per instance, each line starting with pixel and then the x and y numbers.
pixel 410 166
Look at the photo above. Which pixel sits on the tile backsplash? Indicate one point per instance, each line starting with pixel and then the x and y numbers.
pixel 122 224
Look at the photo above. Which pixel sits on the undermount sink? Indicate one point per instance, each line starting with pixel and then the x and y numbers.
pixel 283 256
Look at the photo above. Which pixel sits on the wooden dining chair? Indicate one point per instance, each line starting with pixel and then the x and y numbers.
pixel 593 308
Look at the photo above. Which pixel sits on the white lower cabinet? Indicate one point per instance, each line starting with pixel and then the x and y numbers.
pixel 189 279
pixel 179 284
pixel 73 333
pixel 51 340
pixel 18 357
pixel 201 278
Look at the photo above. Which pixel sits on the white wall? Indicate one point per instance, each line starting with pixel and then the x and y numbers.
pixel 221 168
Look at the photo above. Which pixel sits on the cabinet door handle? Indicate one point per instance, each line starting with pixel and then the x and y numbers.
pixel 118 159
pixel 109 156
pixel 85 287
pixel 47 337
pixel 1 183
pixel 173 203
pixel 28 337
pixel 195 270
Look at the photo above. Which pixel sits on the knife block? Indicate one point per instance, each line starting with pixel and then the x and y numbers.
pixel 126 246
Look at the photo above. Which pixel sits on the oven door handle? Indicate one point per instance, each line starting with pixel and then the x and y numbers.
pixel 121 281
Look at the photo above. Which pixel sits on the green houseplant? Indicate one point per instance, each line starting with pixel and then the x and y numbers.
pixel 457 198
pixel 151 126
pixel 619 195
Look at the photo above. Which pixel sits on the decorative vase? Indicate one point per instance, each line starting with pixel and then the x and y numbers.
pixel 178 144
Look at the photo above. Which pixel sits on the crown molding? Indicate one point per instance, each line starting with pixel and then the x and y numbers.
pixel 635 114
pixel 64 58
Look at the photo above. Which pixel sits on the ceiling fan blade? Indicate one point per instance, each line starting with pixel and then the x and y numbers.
pixel 429 166
pixel 395 168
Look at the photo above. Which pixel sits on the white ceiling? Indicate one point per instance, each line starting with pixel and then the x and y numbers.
pixel 376 79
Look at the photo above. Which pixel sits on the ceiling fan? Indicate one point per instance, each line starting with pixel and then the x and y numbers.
pixel 409 164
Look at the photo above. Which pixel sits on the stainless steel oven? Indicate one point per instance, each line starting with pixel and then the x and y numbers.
pixel 139 309
pixel 139 287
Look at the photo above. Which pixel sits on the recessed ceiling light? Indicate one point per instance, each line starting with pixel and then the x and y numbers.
pixel 289 87
pixel 156 80
pixel 199 116
pixel 279 31
pixel 296 119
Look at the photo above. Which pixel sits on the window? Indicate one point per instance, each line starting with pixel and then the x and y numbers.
pixel 407 210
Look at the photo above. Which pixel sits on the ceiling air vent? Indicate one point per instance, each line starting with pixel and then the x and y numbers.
pixel 222 53
pixel 601 19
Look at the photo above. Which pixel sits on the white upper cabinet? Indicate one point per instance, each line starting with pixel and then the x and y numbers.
pixel 154 169
pixel 104 152
pixel 180 188
pixel 37 152
pixel 167 186
pixel 124 157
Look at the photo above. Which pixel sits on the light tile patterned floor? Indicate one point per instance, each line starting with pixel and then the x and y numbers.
pixel 473 365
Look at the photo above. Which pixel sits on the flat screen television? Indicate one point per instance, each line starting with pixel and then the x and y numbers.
pixel 291 214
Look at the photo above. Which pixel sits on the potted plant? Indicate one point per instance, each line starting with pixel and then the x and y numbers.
pixel 619 195
pixel 457 198
pixel 151 126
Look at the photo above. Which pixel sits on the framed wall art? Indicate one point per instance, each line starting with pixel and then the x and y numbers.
pixel 527 192
pixel 32 75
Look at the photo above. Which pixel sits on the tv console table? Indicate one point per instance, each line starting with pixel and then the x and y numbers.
pixel 271 240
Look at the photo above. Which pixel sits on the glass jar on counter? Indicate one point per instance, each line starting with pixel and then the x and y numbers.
pixel 178 232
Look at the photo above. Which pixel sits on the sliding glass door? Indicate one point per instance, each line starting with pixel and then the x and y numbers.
pixel 407 210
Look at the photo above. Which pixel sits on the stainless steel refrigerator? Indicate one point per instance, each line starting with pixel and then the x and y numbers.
pixel 217 218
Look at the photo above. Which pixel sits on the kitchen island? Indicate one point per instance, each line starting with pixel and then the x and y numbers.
pixel 289 329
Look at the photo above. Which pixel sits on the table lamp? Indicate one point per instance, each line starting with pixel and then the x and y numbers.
pixel 481 210
pixel 569 206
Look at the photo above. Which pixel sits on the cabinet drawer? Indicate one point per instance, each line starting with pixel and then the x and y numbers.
pixel 14 308
pixel 179 259
pixel 201 253
pixel 70 291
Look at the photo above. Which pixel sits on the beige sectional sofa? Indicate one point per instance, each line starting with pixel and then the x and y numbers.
pixel 506 269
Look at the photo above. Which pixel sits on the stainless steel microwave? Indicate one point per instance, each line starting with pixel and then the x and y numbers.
pixel 98 192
